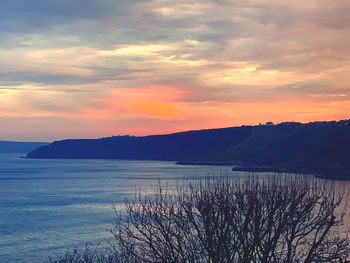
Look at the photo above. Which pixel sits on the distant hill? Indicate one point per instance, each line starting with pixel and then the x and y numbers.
pixel 172 147
pixel 19 147
pixel 322 147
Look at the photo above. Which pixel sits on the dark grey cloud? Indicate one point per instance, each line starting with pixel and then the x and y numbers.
pixel 50 78
pixel 65 90
pixel 45 78
pixel 44 13
pixel 135 21
pixel 89 22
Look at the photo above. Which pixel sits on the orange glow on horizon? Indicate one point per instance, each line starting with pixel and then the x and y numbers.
pixel 156 110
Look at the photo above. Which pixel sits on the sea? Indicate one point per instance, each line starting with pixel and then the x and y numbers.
pixel 50 206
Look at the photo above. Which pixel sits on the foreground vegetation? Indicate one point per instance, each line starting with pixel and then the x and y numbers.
pixel 292 219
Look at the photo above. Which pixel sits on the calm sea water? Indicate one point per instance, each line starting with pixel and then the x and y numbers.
pixel 48 206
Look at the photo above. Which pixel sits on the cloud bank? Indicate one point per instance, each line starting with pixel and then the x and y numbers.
pixel 98 68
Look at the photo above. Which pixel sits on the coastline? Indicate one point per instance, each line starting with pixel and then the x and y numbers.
pixel 328 174
pixel 209 163
pixel 335 174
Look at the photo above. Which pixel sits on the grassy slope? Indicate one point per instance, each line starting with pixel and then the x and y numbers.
pixel 315 145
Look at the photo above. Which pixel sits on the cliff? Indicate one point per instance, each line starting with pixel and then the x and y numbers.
pixel 322 147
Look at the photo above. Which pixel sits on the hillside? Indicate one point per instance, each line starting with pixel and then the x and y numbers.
pixel 172 147
pixel 318 146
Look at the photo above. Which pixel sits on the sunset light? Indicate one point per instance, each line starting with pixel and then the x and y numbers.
pixel 153 67
pixel 167 131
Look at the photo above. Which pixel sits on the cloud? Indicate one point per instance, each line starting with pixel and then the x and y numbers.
pixel 19 78
pixel 37 14
pixel 151 66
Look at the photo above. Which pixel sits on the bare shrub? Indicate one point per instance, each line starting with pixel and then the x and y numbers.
pixel 88 256
pixel 220 220
pixel 288 219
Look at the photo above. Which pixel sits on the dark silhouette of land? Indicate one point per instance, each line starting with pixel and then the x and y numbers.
pixel 19 147
pixel 318 147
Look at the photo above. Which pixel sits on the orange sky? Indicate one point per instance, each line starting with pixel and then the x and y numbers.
pixel 150 67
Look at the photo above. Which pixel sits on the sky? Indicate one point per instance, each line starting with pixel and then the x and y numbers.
pixel 96 68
